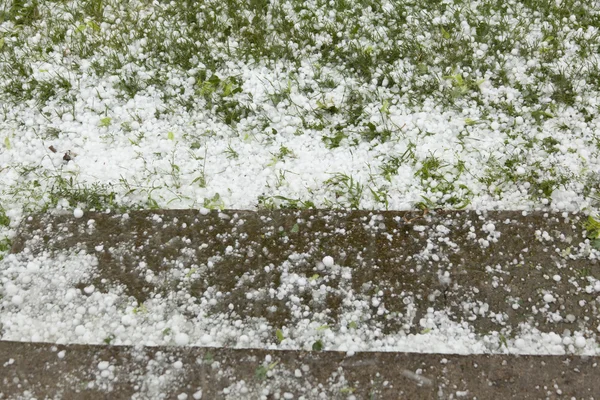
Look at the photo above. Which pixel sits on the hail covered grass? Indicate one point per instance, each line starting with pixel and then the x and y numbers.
pixel 298 104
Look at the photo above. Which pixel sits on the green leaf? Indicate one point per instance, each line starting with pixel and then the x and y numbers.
pixel 445 33
pixel 105 122
pixel 592 226
pixel 352 325
pixel 317 346
pixel 385 108
pixel 261 372
pixel 295 228
pixel 7 143
pixel 227 89
pixel 279 334
pixel 94 26
pixel 1 43
pixel 171 136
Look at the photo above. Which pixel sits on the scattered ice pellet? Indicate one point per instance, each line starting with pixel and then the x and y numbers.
pixel 102 365
pixel 197 395
pixel 78 213
pixel 204 211
pixel 328 261
pixel 548 298
pixel 206 339
pixel 181 339
pixel 89 289
pixel 17 300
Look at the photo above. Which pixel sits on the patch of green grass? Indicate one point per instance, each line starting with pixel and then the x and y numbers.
pixel 261 371
pixel 4 220
pixel 93 197
pixel 348 192
pixel 275 202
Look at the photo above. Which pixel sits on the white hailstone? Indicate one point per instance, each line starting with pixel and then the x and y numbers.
pixel 181 339
pixel 17 300
pixel 328 261
pixel 206 339
pixel 197 395
pixel 102 365
pixel 520 343
pixel 580 342
pixel 11 288
pixel 204 211
pixel 520 171
pixel 556 278
pixel 127 320
pixel 80 330
pixel 495 125
pixel 548 298
pixel 182 396
pixel 32 266
pixel 78 213
pixel 177 364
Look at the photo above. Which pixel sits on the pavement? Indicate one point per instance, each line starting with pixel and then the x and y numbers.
pixel 492 270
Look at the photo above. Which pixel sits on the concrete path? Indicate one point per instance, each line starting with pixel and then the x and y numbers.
pixel 502 272
pixel 36 370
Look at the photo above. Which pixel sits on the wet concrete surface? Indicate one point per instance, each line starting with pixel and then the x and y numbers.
pixel 490 270
pixel 444 261
pixel 37 370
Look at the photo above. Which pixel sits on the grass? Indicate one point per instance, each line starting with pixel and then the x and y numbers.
pixel 342 74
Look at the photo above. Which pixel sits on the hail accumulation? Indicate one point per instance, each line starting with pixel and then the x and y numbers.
pixel 252 281
pixel 301 104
